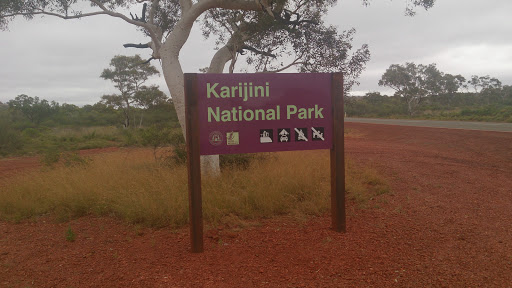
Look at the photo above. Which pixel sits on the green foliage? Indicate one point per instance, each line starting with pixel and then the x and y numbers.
pixel 238 161
pixel 31 133
pixel 73 128
pixel 70 235
pixel 149 97
pixel 375 105
pixel 489 105
pixel 129 74
pixel 241 161
pixel 179 155
pixel 50 157
pixel 73 159
pixel 483 82
pixel 415 82
pixel 34 109
pixel 424 92
pixel 129 137
pixel 155 137
pixel 10 140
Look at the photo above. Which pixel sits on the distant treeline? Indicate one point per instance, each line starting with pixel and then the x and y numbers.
pixel 489 105
pixel 29 125
pixel 27 112
pixel 422 91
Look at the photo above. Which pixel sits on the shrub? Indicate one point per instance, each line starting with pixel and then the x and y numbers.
pixel 179 155
pixel 31 133
pixel 10 140
pixel 241 161
pixel 73 159
pixel 50 157
pixel 70 235
pixel 129 136
pixel 155 137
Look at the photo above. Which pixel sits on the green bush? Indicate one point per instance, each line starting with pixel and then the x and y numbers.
pixel 50 157
pixel 179 155
pixel 70 235
pixel 241 161
pixel 73 159
pixel 129 137
pixel 31 133
pixel 90 136
pixel 10 140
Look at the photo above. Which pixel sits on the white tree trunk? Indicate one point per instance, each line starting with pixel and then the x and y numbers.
pixel 173 73
pixel 174 78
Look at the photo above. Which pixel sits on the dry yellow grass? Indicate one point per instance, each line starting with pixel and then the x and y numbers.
pixel 130 185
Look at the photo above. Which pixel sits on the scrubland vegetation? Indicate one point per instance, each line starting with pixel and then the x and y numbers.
pixel 69 128
pixel 424 92
pixel 131 185
pixel 461 106
pixel 146 182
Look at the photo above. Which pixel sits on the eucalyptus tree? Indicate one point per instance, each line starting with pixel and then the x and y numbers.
pixel 484 82
pixel 272 31
pixel 415 82
pixel 129 74
pixel 149 98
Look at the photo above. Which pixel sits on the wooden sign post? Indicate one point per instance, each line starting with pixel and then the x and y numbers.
pixel 249 113
pixel 338 214
pixel 195 206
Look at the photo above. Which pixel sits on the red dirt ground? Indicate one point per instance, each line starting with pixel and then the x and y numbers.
pixel 447 223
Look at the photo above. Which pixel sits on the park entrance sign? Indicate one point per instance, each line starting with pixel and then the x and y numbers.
pixel 250 113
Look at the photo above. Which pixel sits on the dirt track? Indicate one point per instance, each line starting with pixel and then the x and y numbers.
pixel 446 224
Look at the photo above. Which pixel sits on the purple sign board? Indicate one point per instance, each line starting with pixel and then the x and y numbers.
pixel 248 113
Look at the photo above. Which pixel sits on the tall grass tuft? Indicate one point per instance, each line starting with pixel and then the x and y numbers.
pixel 129 184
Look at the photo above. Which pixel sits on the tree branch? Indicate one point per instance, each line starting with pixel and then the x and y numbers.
pixel 288 16
pixel 147 62
pixel 119 15
pixel 65 17
pixel 255 51
pixel 152 29
pixel 295 62
pixel 182 29
pixel 140 45
pixel 143 16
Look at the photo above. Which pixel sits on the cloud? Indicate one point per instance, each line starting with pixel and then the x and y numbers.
pixel 62 60
pixel 461 37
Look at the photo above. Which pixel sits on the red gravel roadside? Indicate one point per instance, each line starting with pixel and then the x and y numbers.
pixel 446 224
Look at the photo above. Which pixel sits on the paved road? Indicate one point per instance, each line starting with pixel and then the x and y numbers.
pixel 486 126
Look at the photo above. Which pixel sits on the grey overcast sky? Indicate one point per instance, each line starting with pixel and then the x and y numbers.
pixel 62 60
